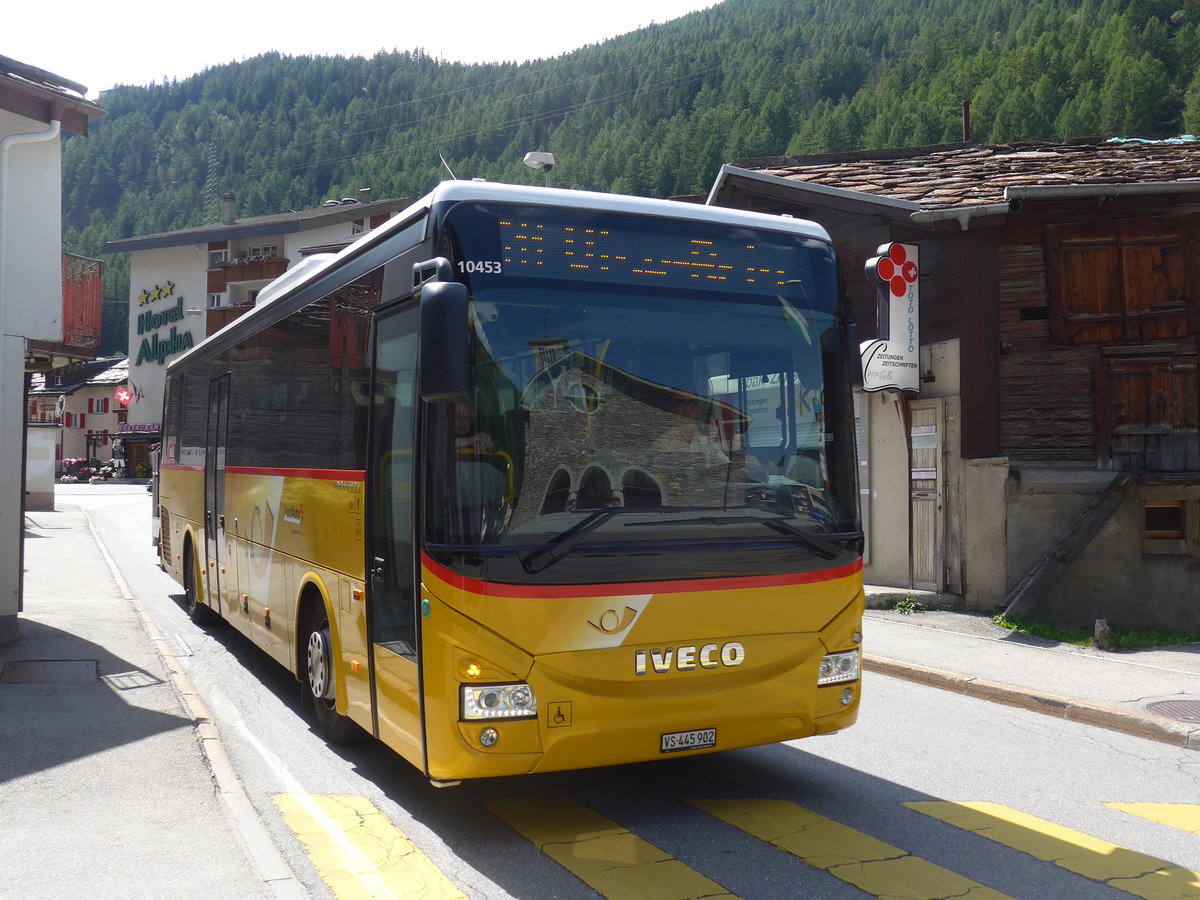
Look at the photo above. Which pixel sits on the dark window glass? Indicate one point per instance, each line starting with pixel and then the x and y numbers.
pixel 301 385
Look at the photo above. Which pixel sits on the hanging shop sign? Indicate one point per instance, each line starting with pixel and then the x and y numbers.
pixel 892 361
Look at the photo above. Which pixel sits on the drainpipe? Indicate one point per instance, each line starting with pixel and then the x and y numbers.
pixel 12 506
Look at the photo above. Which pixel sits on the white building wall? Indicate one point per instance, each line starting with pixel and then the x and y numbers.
pixel 75 409
pixel 40 467
pixel 32 200
pixel 30 308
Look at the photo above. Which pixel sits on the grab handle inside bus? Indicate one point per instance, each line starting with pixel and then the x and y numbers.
pixel 443 341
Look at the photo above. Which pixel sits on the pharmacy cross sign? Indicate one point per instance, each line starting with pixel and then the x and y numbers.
pixel 892 361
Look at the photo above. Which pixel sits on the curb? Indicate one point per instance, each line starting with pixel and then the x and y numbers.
pixel 1143 725
pixel 260 849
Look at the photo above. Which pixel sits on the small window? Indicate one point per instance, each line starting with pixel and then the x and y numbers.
pixel 1166 525
pixel 214 300
pixel 216 257
pixel 1164 520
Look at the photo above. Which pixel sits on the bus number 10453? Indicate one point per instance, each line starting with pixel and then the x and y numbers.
pixel 482 266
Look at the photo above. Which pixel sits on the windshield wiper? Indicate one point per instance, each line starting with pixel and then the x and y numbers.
pixel 810 542
pixel 560 545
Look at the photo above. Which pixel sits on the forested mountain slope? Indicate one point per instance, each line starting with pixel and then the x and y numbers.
pixel 654 112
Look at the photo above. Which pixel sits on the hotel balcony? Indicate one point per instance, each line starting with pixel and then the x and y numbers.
pixel 249 269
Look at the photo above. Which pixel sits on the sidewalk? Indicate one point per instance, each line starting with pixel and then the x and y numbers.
pixel 1149 693
pixel 106 788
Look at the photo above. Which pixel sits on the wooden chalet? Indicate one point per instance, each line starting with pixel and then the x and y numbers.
pixel 1060 401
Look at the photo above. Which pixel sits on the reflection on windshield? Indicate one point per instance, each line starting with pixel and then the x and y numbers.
pixel 663 405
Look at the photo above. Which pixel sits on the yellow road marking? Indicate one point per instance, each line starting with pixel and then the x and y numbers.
pixel 1120 868
pixel 856 858
pixel 359 852
pixel 608 858
pixel 1184 816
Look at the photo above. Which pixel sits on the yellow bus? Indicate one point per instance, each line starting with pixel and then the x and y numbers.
pixel 529 479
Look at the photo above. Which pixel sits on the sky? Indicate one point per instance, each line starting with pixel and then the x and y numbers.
pixel 140 42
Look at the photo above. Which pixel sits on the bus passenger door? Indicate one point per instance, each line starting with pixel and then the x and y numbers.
pixel 392 594
pixel 214 490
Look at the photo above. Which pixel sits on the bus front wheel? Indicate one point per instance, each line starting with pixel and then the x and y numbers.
pixel 321 682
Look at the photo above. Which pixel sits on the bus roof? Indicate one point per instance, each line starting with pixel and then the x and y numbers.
pixel 292 281
pixel 676 209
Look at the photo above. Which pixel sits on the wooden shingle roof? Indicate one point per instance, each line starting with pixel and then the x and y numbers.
pixel 961 175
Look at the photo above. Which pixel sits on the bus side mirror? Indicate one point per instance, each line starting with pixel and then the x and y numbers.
pixel 444 348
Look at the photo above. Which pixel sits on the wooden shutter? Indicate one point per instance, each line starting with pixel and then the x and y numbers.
pixel 1149 413
pixel 1154 280
pixel 1084 283
pixel 1120 280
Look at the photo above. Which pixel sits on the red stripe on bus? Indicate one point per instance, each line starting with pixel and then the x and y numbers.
pixel 180 467
pixel 741 582
pixel 320 474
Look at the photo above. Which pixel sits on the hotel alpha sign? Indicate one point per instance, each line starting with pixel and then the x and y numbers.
pixel 157 346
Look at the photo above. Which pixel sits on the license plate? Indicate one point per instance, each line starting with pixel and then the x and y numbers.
pixel 689 740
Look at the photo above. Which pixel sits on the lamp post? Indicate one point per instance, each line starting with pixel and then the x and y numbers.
pixel 542 161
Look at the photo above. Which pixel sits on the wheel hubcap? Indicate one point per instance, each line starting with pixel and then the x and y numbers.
pixel 319 680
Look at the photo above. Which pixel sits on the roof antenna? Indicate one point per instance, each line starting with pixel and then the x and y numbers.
pixel 447 165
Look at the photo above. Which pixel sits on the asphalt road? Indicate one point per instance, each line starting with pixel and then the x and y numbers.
pixel 941 794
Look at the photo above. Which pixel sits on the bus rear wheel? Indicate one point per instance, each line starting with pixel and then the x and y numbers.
pixel 321 683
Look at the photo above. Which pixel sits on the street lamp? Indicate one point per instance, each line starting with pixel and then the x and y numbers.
pixel 543 161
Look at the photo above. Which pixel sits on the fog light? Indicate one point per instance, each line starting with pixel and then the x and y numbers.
pixel 488 737
pixel 838 667
pixel 847 696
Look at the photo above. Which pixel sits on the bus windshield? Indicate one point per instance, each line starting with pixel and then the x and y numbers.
pixel 650 398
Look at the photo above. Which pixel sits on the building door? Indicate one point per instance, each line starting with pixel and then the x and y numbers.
pixel 928 495
pixel 214 487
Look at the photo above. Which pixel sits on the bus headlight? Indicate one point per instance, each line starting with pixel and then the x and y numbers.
pixel 498 701
pixel 838 667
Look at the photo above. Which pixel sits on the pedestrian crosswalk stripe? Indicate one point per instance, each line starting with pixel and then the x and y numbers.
pixel 1118 867
pixel 1184 816
pixel 359 852
pixel 608 858
pixel 856 858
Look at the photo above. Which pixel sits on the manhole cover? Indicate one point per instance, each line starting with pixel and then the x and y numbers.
pixel 34 671
pixel 1180 710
